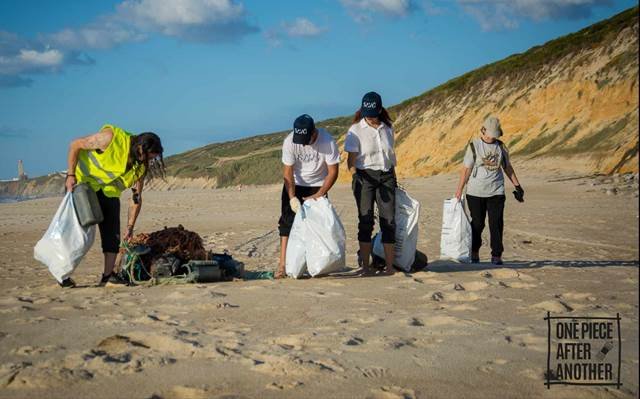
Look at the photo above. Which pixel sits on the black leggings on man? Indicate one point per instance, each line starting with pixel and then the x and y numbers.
pixel 110 226
pixel 377 186
pixel 287 215
pixel 479 207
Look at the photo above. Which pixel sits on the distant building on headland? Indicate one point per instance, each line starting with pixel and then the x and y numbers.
pixel 21 174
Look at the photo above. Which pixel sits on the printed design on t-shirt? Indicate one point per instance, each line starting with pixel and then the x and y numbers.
pixel 306 155
pixel 491 161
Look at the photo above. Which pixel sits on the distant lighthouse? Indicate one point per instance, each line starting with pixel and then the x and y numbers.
pixel 21 174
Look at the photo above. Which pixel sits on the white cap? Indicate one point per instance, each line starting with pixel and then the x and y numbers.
pixel 492 127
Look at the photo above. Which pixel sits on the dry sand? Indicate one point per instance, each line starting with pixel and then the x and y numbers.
pixel 571 249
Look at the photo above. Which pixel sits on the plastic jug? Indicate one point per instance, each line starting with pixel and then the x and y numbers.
pixel 87 206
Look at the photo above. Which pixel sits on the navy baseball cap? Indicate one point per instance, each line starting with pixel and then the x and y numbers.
pixel 303 128
pixel 371 105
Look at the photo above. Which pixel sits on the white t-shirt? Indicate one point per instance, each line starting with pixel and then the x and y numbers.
pixel 310 161
pixel 486 178
pixel 374 146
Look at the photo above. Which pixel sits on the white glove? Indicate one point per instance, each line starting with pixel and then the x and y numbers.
pixel 294 203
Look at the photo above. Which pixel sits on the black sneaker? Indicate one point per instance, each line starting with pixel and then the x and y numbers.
pixel 116 279
pixel 67 283
pixel 104 279
pixel 475 257
pixel 496 260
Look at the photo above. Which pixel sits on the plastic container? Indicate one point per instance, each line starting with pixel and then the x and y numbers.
pixel 205 271
pixel 87 206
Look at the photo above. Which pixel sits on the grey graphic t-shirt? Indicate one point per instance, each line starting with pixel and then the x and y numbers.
pixel 486 178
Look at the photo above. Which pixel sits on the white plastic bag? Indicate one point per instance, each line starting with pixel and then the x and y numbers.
pixel 325 237
pixel 317 242
pixel 455 241
pixel 296 264
pixel 407 215
pixel 65 242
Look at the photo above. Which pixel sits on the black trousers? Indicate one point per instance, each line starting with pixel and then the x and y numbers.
pixel 110 226
pixel 371 186
pixel 479 208
pixel 287 215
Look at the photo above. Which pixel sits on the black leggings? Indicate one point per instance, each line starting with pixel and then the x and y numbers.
pixel 110 226
pixel 287 214
pixel 479 207
pixel 371 186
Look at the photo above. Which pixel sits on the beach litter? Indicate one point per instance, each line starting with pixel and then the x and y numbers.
pixel 174 255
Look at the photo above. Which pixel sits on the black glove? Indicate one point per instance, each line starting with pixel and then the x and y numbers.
pixel 519 194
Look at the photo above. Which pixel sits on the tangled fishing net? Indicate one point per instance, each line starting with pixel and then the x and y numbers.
pixel 176 241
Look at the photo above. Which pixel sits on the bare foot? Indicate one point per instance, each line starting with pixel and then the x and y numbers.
pixel 281 273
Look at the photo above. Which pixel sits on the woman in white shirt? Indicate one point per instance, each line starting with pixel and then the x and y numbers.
pixel 372 162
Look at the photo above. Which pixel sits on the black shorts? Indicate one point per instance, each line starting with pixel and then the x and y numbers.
pixel 287 214
pixel 110 226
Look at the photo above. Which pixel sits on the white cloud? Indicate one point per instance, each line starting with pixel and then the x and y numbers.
pixel 99 35
pixel 299 28
pixel 506 14
pixel 192 20
pixel 361 10
pixel 18 56
pixel 206 21
pixel 302 27
pixel 47 58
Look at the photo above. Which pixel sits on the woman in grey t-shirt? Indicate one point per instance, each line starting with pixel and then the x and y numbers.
pixel 485 160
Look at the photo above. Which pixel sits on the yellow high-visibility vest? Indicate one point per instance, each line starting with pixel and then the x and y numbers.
pixel 106 171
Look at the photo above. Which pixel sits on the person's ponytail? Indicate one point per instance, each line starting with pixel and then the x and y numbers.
pixel 384 117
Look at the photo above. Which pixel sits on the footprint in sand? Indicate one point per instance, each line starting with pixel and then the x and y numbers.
pixel 9 371
pixel 398 342
pixel 183 392
pixel 530 341
pixel 354 341
pixel 293 365
pixel 34 350
pixel 415 322
pixel 373 372
pixel 277 386
pixel 471 286
pixel 392 392
pixel 553 306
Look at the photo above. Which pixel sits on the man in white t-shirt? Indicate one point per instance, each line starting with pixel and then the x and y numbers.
pixel 310 157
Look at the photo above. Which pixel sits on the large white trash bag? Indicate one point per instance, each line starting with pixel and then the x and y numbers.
pixel 455 242
pixel 325 237
pixel 296 264
pixel 65 242
pixel 407 215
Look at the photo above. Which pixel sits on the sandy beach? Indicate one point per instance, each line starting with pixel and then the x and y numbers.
pixel 453 331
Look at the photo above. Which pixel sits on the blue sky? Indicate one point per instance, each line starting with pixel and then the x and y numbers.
pixel 202 71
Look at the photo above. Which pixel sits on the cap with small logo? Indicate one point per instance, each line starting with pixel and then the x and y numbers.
pixel 371 105
pixel 303 128
pixel 492 127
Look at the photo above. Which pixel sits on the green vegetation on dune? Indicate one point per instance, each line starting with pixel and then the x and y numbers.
pixel 523 66
pixel 537 144
pixel 253 160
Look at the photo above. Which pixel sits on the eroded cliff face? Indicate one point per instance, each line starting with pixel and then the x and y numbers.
pixel 579 113
pixel 43 186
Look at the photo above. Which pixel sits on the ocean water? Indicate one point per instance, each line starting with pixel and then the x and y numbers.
pixel 10 200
